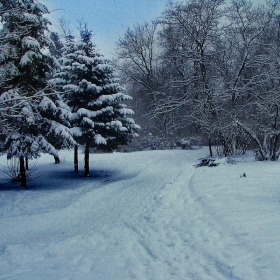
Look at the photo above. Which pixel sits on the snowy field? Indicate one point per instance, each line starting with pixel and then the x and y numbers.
pixel 143 215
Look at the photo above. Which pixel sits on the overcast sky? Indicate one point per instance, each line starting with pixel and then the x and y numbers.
pixel 108 19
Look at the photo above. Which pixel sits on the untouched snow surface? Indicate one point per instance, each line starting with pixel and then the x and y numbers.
pixel 144 215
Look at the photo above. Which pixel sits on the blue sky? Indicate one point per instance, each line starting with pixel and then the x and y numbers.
pixel 108 19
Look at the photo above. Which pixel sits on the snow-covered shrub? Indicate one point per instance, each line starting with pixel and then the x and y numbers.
pixel 207 161
pixel 148 141
pixel 186 143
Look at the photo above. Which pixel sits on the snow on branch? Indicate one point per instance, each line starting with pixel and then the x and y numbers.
pixel 31 43
pixel 28 58
pixel 88 121
pixel 126 111
pixel 71 88
pixel 116 125
pixel 82 112
pixel 76 131
pixel 99 140
pixel 47 103
pixel 116 97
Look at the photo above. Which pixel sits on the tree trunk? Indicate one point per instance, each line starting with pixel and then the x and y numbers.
pixel 76 163
pixel 262 149
pixel 210 146
pixel 22 172
pixel 56 159
pixel 26 163
pixel 276 118
pixel 274 157
pixel 86 160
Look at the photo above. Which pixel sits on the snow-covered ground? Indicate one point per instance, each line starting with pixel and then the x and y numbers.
pixel 143 215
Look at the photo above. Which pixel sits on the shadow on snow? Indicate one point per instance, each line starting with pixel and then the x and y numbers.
pixel 60 180
pixel 65 179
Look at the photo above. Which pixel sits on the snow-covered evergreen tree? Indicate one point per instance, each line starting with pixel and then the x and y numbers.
pixel 34 116
pixel 56 49
pixel 99 118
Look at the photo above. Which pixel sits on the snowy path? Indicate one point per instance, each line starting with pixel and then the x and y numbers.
pixel 146 215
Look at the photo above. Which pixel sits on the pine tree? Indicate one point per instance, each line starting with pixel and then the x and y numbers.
pixel 33 115
pixel 99 117
pixel 56 49
pixel 68 48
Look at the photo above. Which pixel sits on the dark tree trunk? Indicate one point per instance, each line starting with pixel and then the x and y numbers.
pixel 274 156
pixel 22 172
pixel 26 163
pixel 210 146
pixel 276 137
pixel 56 159
pixel 86 160
pixel 76 163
